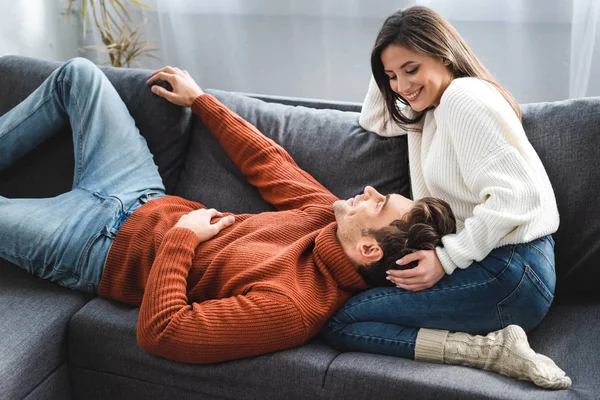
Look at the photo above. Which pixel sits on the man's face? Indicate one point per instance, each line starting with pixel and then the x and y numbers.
pixel 368 211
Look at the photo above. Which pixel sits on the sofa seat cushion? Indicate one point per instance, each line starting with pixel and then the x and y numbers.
pixel 102 346
pixel 328 144
pixel 33 332
pixel 565 335
pixel 102 342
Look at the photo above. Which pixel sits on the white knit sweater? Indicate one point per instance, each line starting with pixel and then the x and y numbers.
pixel 472 152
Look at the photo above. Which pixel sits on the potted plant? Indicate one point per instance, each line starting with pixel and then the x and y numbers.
pixel 118 31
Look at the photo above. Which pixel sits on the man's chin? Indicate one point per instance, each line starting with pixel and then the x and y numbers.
pixel 338 209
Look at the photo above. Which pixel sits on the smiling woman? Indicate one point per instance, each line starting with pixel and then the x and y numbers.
pixel 484 255
pixel 421 80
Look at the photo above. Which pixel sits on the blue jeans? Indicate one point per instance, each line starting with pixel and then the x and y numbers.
pixel 513 285
pixel 66 239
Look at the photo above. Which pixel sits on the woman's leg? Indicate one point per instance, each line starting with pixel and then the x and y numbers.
pixel 513 285
pixel 57 238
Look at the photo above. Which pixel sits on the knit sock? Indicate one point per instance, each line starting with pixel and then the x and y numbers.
pixel 505 351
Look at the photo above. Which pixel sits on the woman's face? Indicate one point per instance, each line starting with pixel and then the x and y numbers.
pixel 419 79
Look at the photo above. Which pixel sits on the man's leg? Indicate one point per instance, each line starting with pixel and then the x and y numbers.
pixel 55 238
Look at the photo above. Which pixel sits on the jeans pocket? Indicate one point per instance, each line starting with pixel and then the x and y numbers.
pixel 90 263
pixel 151 195
pixel 528 304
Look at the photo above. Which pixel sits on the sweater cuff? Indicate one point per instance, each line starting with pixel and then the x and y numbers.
pixel 183 237
pixel 202 102
pixel 445 259
pixel 430 345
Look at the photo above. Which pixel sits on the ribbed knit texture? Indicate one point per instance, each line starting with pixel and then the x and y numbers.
pixel 430 345
pixel 268 282
pixel 472 152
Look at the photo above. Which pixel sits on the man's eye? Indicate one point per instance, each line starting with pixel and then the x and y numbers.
pixel 413 71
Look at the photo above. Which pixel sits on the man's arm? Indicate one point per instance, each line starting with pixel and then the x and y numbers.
pixel 211 331
pixel 265 164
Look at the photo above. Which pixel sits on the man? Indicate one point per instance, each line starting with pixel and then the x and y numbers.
pixel 210 286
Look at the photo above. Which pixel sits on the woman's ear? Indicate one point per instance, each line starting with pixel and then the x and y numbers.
pixel 370 251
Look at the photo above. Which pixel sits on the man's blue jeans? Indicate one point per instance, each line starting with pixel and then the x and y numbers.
pixel 66 239
pixel 513 285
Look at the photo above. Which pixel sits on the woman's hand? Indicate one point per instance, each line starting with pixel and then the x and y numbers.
pixel 198 221
pixel 427 273
pixel 185 89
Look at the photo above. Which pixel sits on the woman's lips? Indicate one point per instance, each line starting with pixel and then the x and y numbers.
pixel 414 95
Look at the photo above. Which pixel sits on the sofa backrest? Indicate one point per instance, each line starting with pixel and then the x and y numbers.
pixel 327 143
pixel 48 170
pixel 566 136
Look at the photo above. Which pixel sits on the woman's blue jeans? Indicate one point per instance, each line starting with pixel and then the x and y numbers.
pixel 513 285
pixel 66 238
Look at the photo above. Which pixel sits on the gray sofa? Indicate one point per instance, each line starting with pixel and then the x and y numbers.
pixel 56 343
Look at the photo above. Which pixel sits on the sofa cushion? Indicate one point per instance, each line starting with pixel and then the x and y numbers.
pixel 564 335
pixel 48 170
pixel 328 144
pixel 566 135
pixel 102 339
pixel 33 333
pixel 102 348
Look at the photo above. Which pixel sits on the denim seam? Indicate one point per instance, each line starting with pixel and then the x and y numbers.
pixel 537 282
pixel 396 293
pixel 19 122
pixel 499 305
pixel 396 341
pixel 539 251
pixel 79 158
pixel 24 258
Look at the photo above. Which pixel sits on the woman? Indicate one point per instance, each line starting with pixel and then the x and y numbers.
pixel 467 147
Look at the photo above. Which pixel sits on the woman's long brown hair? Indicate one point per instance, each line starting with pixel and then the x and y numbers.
pixel 422 30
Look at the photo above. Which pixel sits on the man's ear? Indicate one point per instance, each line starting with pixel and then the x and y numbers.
pixel 369 251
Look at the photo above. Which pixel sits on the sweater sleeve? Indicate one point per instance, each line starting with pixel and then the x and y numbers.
pixel 374 116
pixel 486 136
pixel 214 330
pixel 265 164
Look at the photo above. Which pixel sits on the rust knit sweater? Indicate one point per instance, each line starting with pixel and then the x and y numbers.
pixel 268 282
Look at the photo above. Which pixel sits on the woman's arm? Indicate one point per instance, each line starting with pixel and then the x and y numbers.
pixel 493 155
pixel 374 116
pixel 509 198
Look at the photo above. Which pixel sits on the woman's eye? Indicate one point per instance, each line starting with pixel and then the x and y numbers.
pixel 392 77
pixel 413 71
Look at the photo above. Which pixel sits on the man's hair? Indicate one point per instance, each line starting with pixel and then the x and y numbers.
pixel 422 228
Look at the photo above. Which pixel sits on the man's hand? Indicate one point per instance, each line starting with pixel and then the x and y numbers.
pixel 198 221
pixel 185 89
pixel 426 274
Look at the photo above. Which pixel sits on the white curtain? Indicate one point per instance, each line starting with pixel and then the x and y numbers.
pixel 585 39
pixel 541 50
